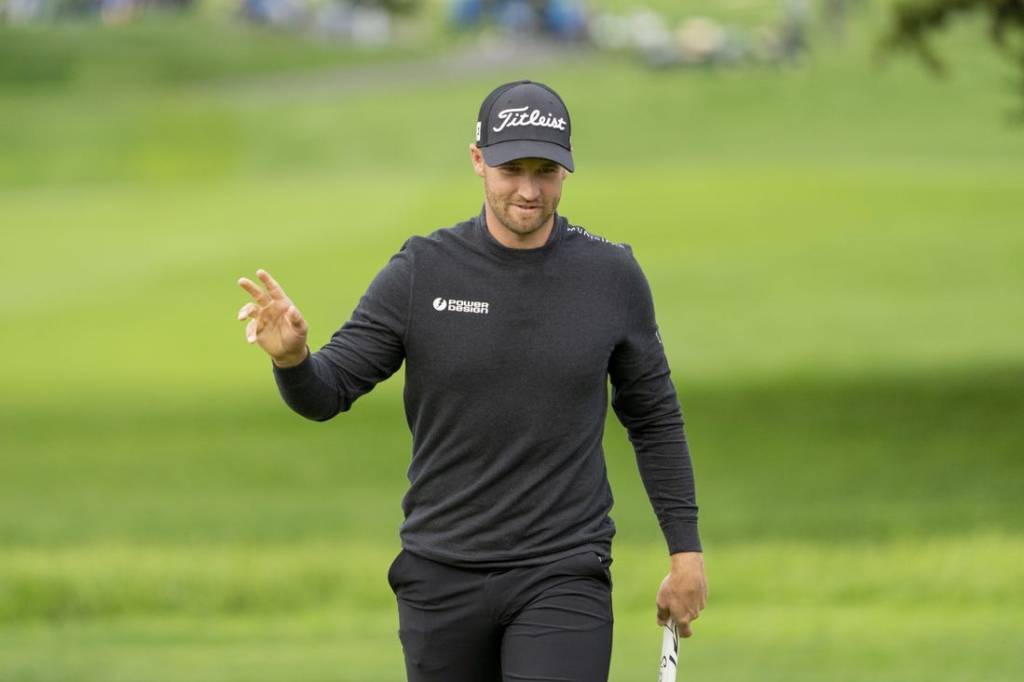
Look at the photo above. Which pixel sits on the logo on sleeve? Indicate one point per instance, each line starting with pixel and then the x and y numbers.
pixel 457 305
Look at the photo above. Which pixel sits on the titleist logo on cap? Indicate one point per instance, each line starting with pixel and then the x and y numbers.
pixel 511 118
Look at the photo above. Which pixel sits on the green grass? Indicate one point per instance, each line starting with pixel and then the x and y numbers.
pixel 781 611
pixel 836 461
pixel 834 251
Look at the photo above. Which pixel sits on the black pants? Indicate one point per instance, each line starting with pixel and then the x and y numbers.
pixel 551 622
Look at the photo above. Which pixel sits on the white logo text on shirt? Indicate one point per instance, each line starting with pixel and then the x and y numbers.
pixel 457 305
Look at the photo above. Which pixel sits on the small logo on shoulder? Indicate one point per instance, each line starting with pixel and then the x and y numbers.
pixel 440 304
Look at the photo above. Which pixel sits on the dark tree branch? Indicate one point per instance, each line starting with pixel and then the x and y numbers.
pixel 914 22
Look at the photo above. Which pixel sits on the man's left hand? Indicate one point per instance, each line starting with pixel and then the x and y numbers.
pixel 683 592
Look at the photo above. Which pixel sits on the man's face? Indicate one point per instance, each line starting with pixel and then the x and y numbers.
pixel 523 193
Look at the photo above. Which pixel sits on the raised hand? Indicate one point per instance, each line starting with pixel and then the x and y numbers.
pixel 274 321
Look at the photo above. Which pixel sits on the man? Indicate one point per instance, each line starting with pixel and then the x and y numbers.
pixel 510 325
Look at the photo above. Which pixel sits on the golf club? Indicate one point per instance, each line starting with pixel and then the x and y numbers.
pixel 669 653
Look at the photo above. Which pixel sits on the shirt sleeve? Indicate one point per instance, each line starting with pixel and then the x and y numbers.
pixel 366 350
pixel 644 399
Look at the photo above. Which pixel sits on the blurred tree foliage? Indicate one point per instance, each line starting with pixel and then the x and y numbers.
pixel 915 21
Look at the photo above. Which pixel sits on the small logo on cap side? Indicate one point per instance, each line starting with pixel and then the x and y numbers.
pixel 478 131
pixel 511 118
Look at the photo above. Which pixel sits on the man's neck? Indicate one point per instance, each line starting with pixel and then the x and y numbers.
pixel 514 240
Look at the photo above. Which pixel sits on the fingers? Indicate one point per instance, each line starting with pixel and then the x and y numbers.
pixel 270 302
pixel 248 310
pixel 261 297
pixel 683 624
pixel 276 292
pixel 251 330
pixel 682 621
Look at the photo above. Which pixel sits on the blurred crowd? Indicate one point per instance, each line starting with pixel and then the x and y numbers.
pixel 656 39
pixel 107 11
pixel 659 41
pixel 701 41
pixel 559 19
pixel 368 16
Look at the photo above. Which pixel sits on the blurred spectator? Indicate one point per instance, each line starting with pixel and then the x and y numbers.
pixel 704 42
pixel 22 11
pixel 360 23
pixel 785 42
pixel 793 31
pixel 366 22
pixel 109 11
pixel 119 11
pixel 564 19
pixel 700 40
pixel 642 30
pixel 279 13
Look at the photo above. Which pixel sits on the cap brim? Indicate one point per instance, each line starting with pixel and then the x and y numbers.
pixel 503 152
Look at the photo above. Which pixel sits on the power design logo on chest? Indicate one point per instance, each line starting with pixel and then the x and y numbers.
pixel 457 305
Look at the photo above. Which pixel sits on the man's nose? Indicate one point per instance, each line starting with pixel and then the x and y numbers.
pixel 529 188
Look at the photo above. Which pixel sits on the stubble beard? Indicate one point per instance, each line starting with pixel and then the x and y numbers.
pixel 503 208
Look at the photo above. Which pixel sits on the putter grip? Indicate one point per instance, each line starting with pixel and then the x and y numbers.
pixel 669 653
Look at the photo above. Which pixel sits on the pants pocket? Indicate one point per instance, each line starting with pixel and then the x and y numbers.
pixel 414 633
pixel 605 562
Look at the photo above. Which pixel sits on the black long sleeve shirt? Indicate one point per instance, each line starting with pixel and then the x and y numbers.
pixel 507 357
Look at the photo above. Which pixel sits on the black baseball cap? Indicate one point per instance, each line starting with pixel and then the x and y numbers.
pixel 524 119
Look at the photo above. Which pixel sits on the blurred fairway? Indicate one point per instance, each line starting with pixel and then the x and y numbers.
pixel 835 252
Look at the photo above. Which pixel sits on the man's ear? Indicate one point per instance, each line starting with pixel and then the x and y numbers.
pixel 477 157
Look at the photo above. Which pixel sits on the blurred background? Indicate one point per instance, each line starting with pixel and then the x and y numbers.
pixel 832 234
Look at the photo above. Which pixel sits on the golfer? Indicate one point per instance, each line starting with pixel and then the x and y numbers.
pixel 510 325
